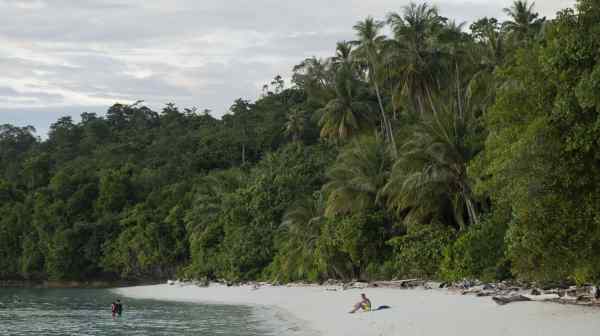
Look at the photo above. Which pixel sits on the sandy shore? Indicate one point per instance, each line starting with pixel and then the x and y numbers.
pixel 317 311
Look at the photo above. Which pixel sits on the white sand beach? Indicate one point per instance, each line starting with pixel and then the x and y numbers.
pixel 317 311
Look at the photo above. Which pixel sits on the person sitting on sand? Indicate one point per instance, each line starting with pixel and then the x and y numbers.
pixel 364 304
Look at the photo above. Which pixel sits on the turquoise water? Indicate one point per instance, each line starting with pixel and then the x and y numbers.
pixel 87 312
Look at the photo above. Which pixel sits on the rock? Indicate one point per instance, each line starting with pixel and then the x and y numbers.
pixel 584 299
pixel 501 286
pixel 407 283
pixel 536 291
pixel 555 286
pixel 488 287
pixel 356 285
pixel 412 283
pixel 465 284
pixel 201 283
pixel 433 285
pixel 506 300
pixel 332 282
pixel 571 292
pixel 475 290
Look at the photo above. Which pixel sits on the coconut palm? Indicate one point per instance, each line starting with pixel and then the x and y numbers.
pixel 370 43
pixel 429 181
pixel 415 54
pixel 349 113
pixel 490 49
pixel 343 55
pixel 491 41
pixel 300 230
pixel 524 23
pixel 207 201
pixel 356 178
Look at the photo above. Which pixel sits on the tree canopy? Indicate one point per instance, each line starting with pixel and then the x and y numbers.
pixel 437 151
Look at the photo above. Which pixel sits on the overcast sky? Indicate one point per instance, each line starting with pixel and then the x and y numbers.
pixel 64 57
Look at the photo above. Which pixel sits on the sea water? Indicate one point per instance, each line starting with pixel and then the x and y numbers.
pixel 87 312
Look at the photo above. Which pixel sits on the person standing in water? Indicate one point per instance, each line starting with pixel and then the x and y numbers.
pixel 113 308
pixel 119 307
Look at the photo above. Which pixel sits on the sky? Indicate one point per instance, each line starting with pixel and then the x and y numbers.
pixel 65 57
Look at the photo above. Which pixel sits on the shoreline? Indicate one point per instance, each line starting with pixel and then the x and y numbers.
pixel 65 284
pixel 320 310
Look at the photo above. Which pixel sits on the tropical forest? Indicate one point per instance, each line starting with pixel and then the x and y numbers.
pixel 422 147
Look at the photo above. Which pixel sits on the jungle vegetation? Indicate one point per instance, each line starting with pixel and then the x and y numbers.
pixel 439 151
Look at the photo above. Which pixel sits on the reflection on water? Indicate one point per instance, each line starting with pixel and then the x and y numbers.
pixel 87 312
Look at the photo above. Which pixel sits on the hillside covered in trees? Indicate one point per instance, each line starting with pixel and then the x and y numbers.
pixel 440 151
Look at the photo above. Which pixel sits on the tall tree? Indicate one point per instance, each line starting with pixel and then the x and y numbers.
pixel 357 177
pixel 370 43
pixel 348 114
pixel 429 181
pixel 524 23
pixel 415 53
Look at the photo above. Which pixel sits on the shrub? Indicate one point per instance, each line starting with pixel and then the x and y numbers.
pixel 478 253
pixel 350 247
pixel 418 253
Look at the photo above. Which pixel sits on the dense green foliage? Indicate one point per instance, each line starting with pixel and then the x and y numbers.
pixel 435 152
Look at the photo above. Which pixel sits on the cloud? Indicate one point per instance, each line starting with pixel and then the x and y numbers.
pixel 76 54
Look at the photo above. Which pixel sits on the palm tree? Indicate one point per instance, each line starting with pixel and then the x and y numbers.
pixel 343 55
pixel 300 228
pixel 415 52
pixel 356 178
pixel 348 113
pixel 491 40
pixel 207 201
pixel 524 23
pixel 429 181
pixel 370 43
pixel 490 51
pixel 295 124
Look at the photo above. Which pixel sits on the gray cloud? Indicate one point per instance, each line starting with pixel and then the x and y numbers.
pixel 73 55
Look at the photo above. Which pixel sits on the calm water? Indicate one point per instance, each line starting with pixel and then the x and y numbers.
pixel 87 312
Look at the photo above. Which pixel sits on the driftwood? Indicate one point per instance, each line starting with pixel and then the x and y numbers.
pixel 355 285
pixel 407 283
pixel 502 300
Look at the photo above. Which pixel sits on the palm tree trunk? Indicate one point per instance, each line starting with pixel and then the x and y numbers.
pixel 394 108
pixel 243 154
pixel 471 210
pixel 419 107
pixel 388 125
pixel 386 121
